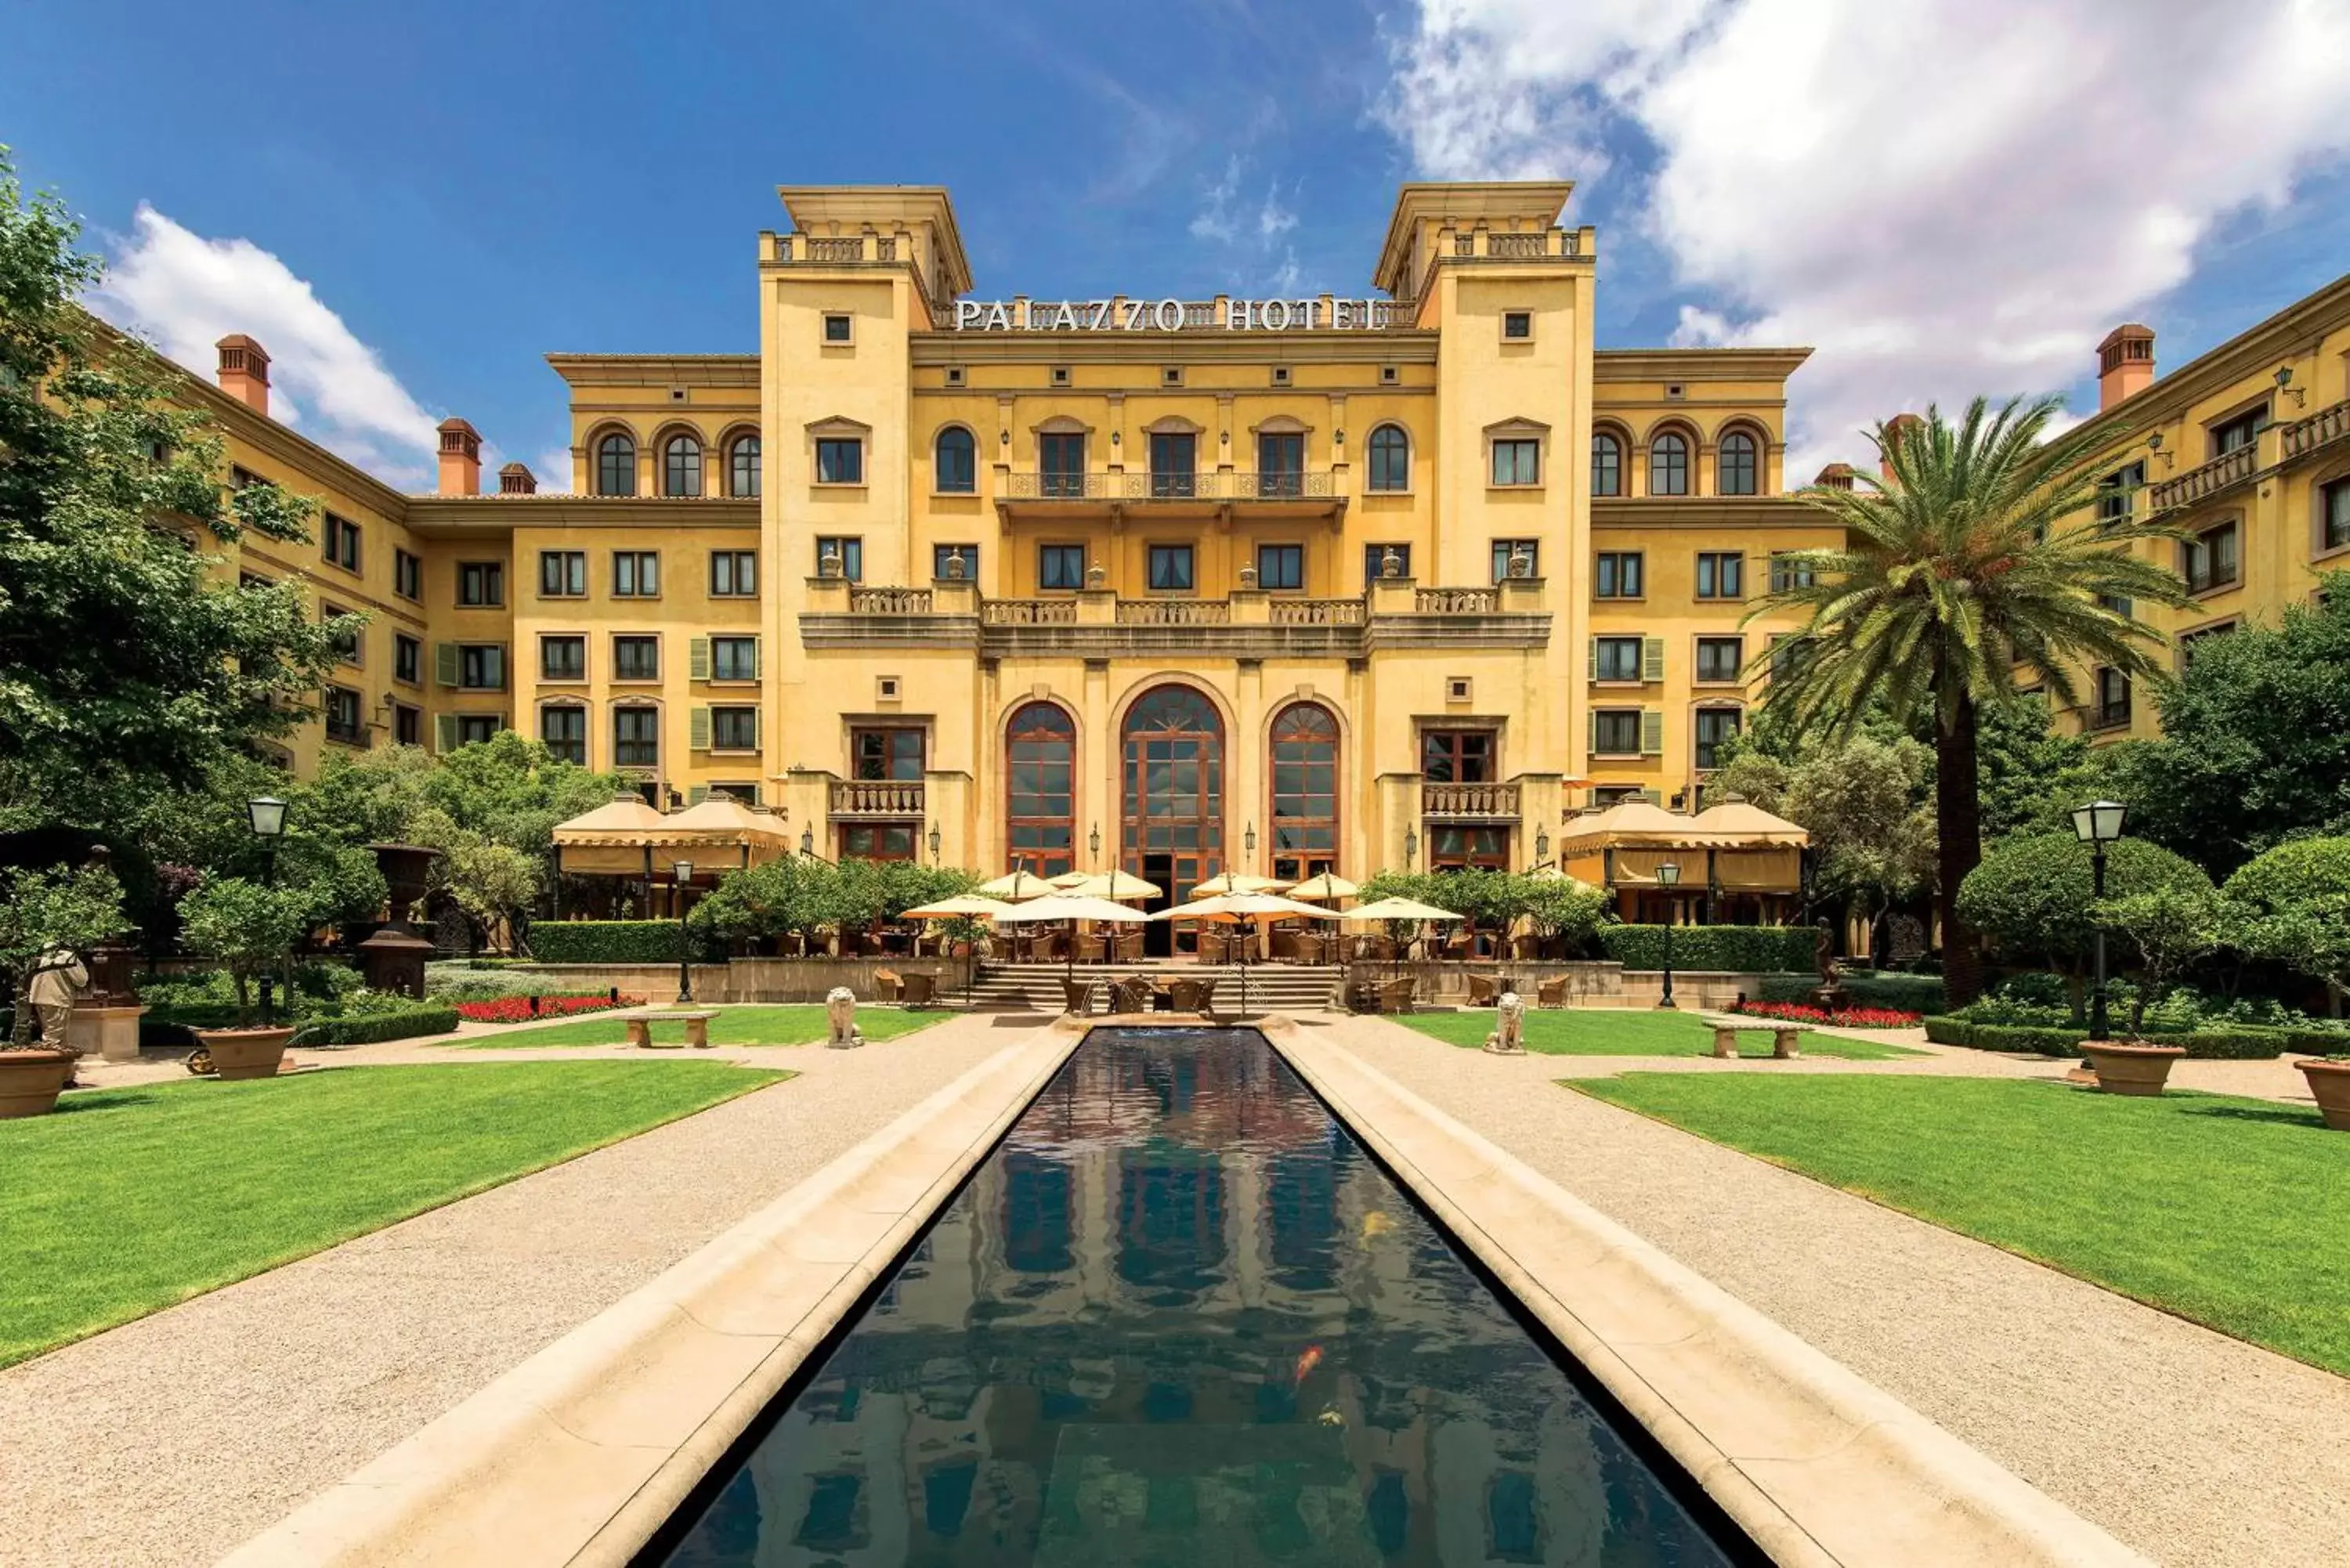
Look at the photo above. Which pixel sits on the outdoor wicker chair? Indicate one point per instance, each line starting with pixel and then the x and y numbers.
pixel 1133 994
pixel 1483 991
pixel 1551 992
pixel 1077 995
pixel 1396 995
pixel 1189 996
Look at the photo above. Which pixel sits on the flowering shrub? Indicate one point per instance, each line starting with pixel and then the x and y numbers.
pixel 521 1008
pixel 1850 1018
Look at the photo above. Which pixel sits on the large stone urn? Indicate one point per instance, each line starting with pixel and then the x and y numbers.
pixel 2123 1068
pixel 30 1081
pixel 240 1054
pixel 393 958
pixel 2329 1085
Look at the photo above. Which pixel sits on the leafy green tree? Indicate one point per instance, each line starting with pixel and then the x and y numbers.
pixel 131 658
pixel 1560 910
pixel 2031 774
pixel 2032 897
pixel 2171 927
pixel 249 928
pixel 45 910
pixel 1981 555
pixel 2297 899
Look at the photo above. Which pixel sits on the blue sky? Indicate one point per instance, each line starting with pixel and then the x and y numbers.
pixel 463 188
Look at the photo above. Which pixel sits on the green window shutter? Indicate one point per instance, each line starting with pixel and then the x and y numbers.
pixel 1652 731
pixel 698 731
pixel 1591 734
pixel 697 658
pixel 1652 659
pixel 756 652
pixel 697 794
pixel 444 731
pixel 1592 673
pixel 444 663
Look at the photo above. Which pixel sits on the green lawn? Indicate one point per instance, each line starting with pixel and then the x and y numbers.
pixel 2220 1209
pixel 127 1201
pixel 733 1026
pixel 1569 1031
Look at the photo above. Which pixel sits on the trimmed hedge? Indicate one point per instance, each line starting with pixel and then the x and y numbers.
pixel 604 941
pixel 1764 948
pixel 1902 992
pixel 367 1029
pixel 2239 1043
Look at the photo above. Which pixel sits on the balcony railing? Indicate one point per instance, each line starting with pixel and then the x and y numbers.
pixel 1457 601
pixel 2320 429
pixel 1311 484
pixel 890 601
pixel 2229 468
pixel 1174 612
pixel 1468 802
pixel 835 250
pixel 878 797
pixel 1282 484
pixel 1029 612
pixel 1316 612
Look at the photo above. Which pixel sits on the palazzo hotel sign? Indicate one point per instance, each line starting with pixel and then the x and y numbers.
pixel 1122 315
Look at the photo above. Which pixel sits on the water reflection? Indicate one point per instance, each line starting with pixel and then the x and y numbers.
pixel 1177 1317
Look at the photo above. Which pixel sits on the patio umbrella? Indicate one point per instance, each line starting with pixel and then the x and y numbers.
pixel 966 907
pixel 1328 885
pixel 1068 880
pixel 1115 885
pixel 1396 910
pixel 1018 883
pixel 1245 908
pixel 1235 882
pixel 1072 907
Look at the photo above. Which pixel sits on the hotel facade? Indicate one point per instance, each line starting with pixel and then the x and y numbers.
pixel 1273 585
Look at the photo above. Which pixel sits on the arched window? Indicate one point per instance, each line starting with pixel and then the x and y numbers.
pixel 1171 827
pixel 1739 469
pixel 1390 458
pixel 1040 746
pixel 742 466
pixel 956 472
pixel 681 466
pixel 1669 463
pixel 1304 791
pixel 1607 465
pixel 616 465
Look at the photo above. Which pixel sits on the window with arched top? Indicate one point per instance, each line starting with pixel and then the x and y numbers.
pixel 1607 465
pixel 681 466
pixel 1304 814
pixel 1669 463
pixel 1040 748
pixel 1390 458
pixel 955 470
pixel 616 465
pixel 1739 469
pixel 742 467
pixel 1171 816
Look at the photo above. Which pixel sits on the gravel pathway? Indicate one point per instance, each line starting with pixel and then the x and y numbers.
pixel 2198 1450
pixel 170 1440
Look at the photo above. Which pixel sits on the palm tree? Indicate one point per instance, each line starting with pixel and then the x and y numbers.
pixel 1978 560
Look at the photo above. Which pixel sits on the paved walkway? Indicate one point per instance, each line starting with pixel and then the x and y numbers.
pixel 169 1441
pixel 2201 1450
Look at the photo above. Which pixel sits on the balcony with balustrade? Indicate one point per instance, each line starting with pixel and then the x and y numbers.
pixel 2277 446
pixel 878 800
pixel 1315 493
pixel 1488 803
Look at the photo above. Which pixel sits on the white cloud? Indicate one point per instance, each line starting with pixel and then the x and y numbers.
pixel 1946 198
pixel 553 471
pixel 186 292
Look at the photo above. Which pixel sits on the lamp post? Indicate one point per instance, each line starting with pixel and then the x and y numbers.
pixel 682 874
pixel 266 816
pixel 2096 825
pixel 1668 877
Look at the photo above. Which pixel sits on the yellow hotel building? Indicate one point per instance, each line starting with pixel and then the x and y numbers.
pixel 1177 586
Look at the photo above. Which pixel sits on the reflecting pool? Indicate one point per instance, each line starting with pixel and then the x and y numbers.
pixel 1178 1316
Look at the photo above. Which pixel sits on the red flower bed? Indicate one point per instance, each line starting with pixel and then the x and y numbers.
pixel 520 1009
pixel 1850 1018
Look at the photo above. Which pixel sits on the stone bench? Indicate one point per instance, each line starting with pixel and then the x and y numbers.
pixel 697 1029
pixel 1786 1039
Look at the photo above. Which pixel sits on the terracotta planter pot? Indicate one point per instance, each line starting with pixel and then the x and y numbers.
pixel 240 1054
pixel 2131 1069
pixel 2330 1083
pixel 30 1080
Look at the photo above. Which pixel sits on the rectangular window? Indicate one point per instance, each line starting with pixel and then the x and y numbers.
pixel 1456 847
pixel 342 541
pixel 562 574
pixel 1615 658
pixel 636 574
pixel 839 460
pixel 1061 465
pixel 1505 551
pixel 955 563
pixel 565 731
pixel 734 729
pixel 876 841
pixel 406 576
pixel 563 659
pixel 1788 573
pixel 733 658
pixel 636 658
pixel 480 584
pixel 1517 463
pixel 1719 658
pixel 1517 325
pixel 1720 574
pixel 1618 574
pixel 636 737
pixel 1375 561
pixel 342 714
pixel 1615 733
pixel 2207 560
pixel 1060 566
pixel 1788 652
pixel 1280 465
pixel 2333 515
pixel 1174 461
pixel 2243 429
pixel 406 658
pixel 1281 567
pixel 2117 493
pixel 2120 605
pixel 837 328
pixel 1715 726
pixel 2111 711
pixel 850 548
pixel 890 754
pixel 1170 568
pixel 346 637
pixel 407 725
pixel 482 666
pixel 748 793
pixel 478 729
pixel 733 573
pixel 1457 756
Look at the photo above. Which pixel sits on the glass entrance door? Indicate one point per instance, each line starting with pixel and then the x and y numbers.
pixel 1172 791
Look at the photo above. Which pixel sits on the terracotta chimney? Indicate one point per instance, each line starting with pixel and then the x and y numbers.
pixel 2125 363
pixel 514 478
pixel 460 459
pixel 245 371
pixel 1835 477
pixel 1894 429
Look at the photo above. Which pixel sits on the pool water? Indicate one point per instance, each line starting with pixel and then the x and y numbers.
pixel 1178 1316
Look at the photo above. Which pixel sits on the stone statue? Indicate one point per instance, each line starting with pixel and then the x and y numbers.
pixel 840 1010
pixel 1508 1038
pixel 1390 563
pixel 1830 994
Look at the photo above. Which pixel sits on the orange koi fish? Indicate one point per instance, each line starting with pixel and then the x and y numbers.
pixel 1307 1362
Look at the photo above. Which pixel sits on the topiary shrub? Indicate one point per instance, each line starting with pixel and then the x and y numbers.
pixel 1738 948
pixel 2045 1040
pixel 366 1029
pixel 605 941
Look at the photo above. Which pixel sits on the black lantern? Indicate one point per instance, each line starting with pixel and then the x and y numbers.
pixel 1668 877
pixel 2096 825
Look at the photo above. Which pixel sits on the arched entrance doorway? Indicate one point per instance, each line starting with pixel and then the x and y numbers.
pixel 1171 797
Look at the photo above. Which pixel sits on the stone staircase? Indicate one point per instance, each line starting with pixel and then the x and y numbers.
pixel 1271 987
